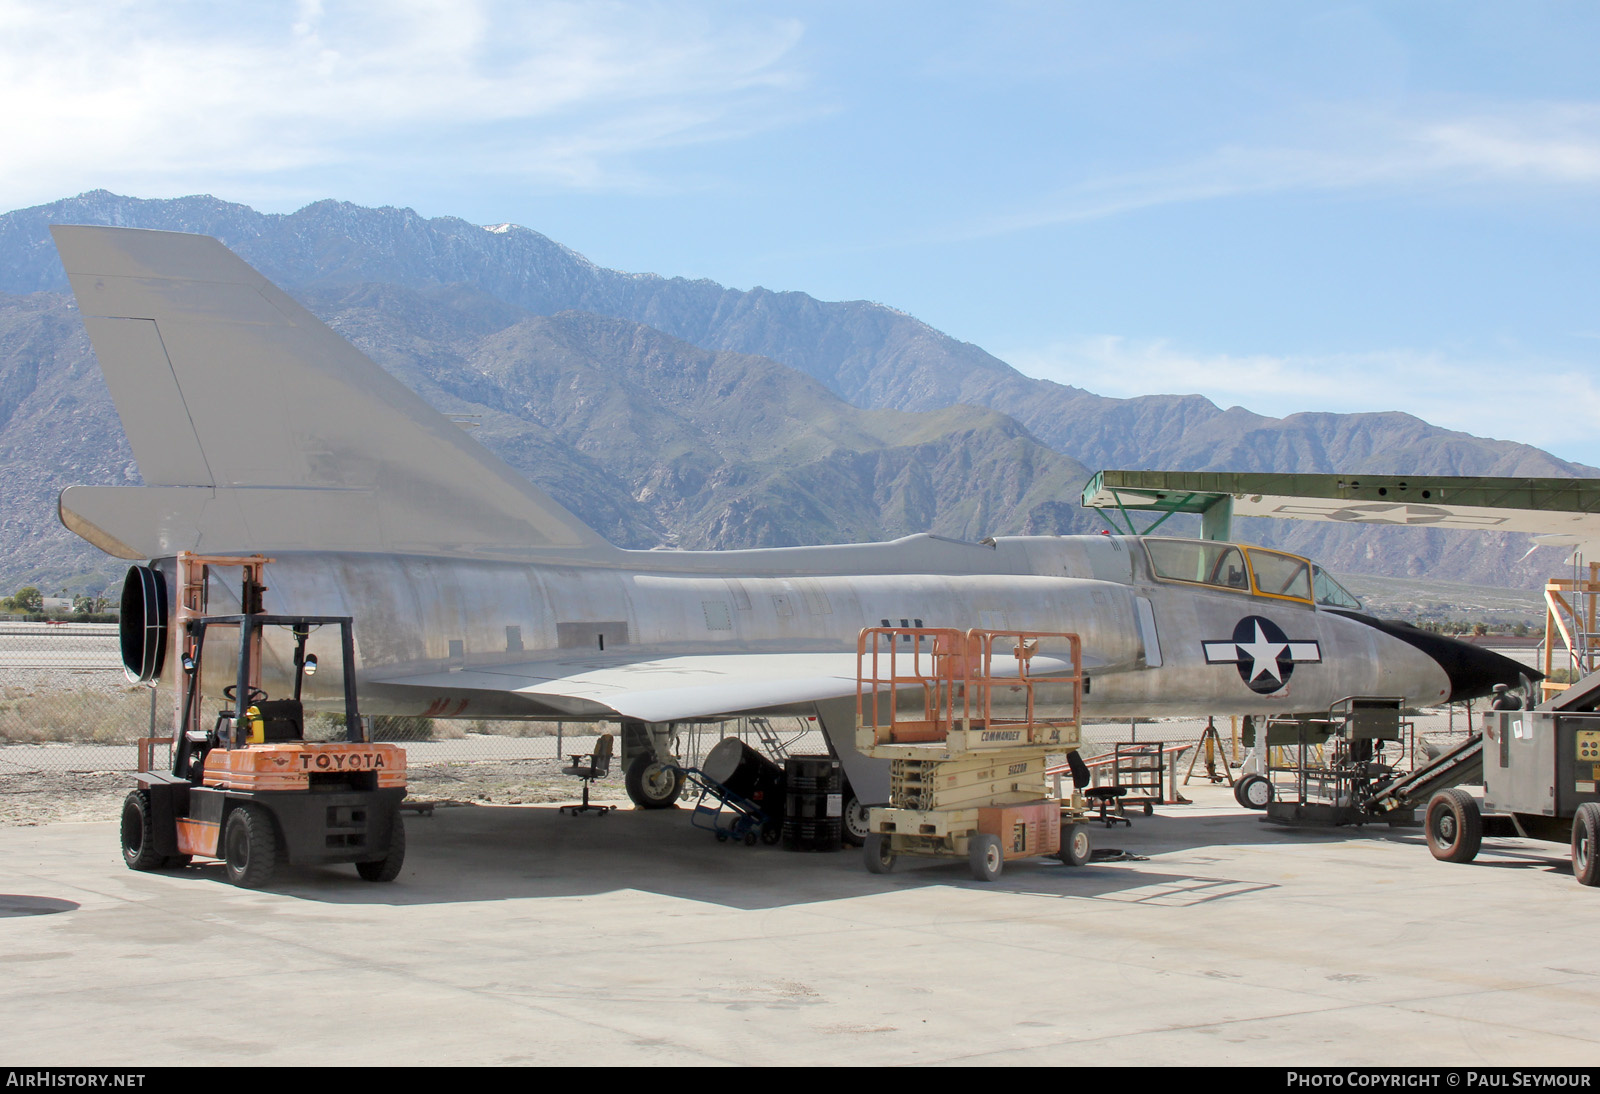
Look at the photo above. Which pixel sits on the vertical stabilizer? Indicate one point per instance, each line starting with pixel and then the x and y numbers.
pixel 259 428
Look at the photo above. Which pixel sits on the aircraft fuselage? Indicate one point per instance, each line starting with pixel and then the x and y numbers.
pixel 1150 647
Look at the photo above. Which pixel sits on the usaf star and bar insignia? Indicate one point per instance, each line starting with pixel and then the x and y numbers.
pixel 1265 656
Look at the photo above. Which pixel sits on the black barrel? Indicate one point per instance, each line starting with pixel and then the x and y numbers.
pixel 748 774
pixel 814 804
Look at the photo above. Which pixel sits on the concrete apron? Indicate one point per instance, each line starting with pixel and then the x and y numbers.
pixel 516 935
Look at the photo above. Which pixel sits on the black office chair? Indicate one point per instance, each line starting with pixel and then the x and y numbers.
pixel 1104 798
pixel 596 765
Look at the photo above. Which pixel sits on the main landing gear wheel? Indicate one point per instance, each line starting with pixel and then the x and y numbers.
pixel 1076 845
pixel 878 853
pixel 388 868
pixel 1253 792
pixel 652 784
pixel 855 829
pixel 1585 843
pixel 985 857
pixel 139 833
pixel 250 846
pixel 1454 826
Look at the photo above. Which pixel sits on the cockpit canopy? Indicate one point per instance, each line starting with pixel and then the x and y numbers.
pixel 1253 570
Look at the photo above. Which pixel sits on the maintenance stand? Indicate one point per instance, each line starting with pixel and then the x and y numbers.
pixel 968 753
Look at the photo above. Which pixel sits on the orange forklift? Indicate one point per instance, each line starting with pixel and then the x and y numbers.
pixel 250 789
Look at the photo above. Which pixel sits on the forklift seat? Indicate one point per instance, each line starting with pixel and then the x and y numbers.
pixel 284 719
pixel 598 766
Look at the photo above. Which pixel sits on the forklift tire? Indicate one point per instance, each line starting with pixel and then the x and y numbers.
pixel 857 819
pixel 387 869
pixel 652 784
pixel 139 833
pixel 1585 840
pixel 1454 826
pixel 878 853
pixel 249 846
pixel 1253 792
pixel 985 857
pixel 1076 845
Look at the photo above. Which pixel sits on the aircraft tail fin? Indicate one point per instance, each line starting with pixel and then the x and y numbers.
pixel 257 427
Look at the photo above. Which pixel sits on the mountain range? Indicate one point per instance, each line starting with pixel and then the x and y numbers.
pixel 666 411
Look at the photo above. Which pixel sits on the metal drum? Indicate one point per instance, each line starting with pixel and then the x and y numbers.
pixel 748 774
pixel 814 804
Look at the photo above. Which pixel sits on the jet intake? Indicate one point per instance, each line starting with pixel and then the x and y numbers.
pixel 142 626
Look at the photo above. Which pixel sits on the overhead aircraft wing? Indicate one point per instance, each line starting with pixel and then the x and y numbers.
pixel 652 689
pixel 1559 512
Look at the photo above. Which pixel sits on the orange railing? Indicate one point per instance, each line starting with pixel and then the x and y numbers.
pixel 920 684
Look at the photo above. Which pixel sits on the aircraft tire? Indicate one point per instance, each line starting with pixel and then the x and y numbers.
pixel 985 857
pixel 1253 792
pixel 1077 847
pixel 652 784
pixel 1585 844
pixel 388 867
pixel 1454 826
pixel 139 832
pixel 250 846
pixel 878 853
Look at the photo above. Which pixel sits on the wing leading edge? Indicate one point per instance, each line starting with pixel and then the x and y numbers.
pixel 655 689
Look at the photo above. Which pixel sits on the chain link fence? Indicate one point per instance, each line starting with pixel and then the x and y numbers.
pixel 68 707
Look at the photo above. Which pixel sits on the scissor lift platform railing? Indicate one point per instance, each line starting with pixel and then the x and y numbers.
pixel 967 720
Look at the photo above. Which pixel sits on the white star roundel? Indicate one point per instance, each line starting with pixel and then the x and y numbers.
pixel 1265 656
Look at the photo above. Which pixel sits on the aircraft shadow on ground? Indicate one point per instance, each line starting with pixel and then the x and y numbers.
pixel 484 853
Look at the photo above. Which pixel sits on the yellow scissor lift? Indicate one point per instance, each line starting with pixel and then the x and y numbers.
pixel 967 726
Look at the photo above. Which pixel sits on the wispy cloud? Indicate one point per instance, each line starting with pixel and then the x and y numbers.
pixel 163 95
pixel 1546 403
pixel 1545 144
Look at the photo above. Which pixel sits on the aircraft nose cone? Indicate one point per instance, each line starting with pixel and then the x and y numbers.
pixel 1473 670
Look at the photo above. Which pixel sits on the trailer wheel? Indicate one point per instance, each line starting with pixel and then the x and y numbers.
pixel 1076 845
pixel 1585 840
pixel 878 853
pixel 387 868
pixel 1253 792
pixel 857 819
pixel 1454 826
pixel 250 846
pixel 139 832
pixel 652 784
pixel 985 857
pixel 771 833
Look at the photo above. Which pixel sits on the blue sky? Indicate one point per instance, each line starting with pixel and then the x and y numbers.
pixel 1284 206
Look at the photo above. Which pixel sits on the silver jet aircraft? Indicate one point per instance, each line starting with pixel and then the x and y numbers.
pixel 475 595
